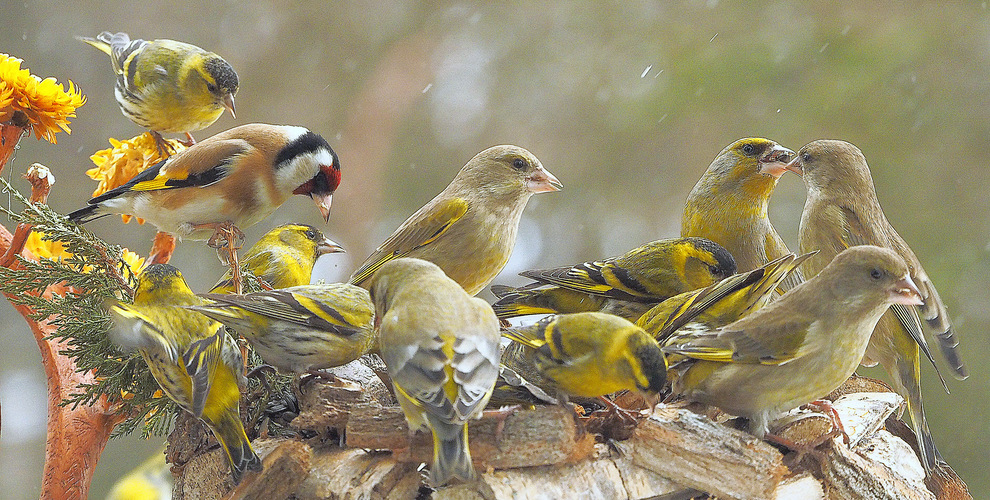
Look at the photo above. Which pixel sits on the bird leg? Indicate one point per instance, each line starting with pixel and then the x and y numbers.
pixel 162 248
pixel 164 148
pixel 189 140
pixel 501 415
pixel 825 406
pixel 227 239
pixel 315 374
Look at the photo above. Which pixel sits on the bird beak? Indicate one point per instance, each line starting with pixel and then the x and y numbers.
pixel 328 246
pixel 774 163
pixel 905 292
pixel 542 181
pixel 323 203
pixel 228 102
pixel 795 166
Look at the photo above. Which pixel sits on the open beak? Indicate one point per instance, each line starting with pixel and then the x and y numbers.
pixel 542 181
pixel 905 292
pixel 328 246
pixel 795 166
pixel 323 203
pixel 228 102
pixel 775 161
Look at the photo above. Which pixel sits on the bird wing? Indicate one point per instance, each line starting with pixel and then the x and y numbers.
pixel 773 340
pixel 425 226
pixel 201 360
pixel 195 167
pixel 601 277
pixel 295 308
pixel 133 331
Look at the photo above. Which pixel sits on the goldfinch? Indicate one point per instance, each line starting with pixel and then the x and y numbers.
pixel 239 176
pixel 842 211
pixel 196 364
pixel 728 205
pixel 300 329
pixel 469 229
pixel 799 347
pixel 720 304
pixel 441 347
pixel 627 285
pixel 168 86
pixel 588 355
pixel 283 257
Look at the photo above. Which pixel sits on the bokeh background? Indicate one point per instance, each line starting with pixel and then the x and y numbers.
pixel 625 102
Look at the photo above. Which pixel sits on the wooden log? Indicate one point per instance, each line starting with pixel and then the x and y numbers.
pixel 848 474
pixel 353 473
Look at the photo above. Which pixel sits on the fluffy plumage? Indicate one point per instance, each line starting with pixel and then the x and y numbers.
pixel 729 203
pixel 797 348
pixel 241 176
pixel 300 329
pixel 588 354
pixel 469 229
pixel 842 210
pixel 441 348
pixel 283 257
pixel 196 364
pixel 627 285
pixel 168 86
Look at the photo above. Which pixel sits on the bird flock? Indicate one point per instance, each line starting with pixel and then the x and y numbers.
pixel 723 315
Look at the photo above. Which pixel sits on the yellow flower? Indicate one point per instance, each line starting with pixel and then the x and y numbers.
pixel 124 159
pixel 46 104
pixel 55 250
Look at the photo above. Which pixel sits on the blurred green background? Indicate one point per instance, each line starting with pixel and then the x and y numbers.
pixel 625 102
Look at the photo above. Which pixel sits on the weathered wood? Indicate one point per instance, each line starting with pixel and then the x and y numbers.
pixel 286 464
pixel 698 453
pixel 848 474
pixel 353 473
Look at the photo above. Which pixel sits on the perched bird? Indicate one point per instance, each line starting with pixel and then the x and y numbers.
pixel 469 229
pixel 196 364
pixel 797 348
pixel 588 354
pixel 152 480
pixel 168 86
pixel 283 257
pixel 441 347
pixel 729 204
pixel 842 211
pixel 720 304
pixel 239 176
pixel 626 286
pixel 300 329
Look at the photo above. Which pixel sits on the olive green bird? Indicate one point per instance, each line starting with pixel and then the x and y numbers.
pixel 196 364
pixel 797 348
pixel 627 285
pixel 842 211
pixel 720 304
pixel 588 355
pixel 469 229
pixel 441 347
pixel 283 257
pixel 300 329
pixel 729 204
pixel 168 86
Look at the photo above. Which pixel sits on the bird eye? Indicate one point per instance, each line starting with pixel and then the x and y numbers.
pixel 805 157
pixel 311 234
pixel 748 149
pixel 714 269
pixel 519 164
pixel 212 88
pixel 876 274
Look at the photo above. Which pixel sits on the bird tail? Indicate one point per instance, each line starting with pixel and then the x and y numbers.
pixel 86 214
pixel 906 375
pixel 101 42
pixel 451 456
pixel 938 319
pixel 230 433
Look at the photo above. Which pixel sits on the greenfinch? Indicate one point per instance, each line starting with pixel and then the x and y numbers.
pixel 626 286
pixel 168 86
pixel 719 304
pixel 469 229
pixel 194 361
pixel 797 348
pixel 588 355
pixel 283 257
pixel 239 176
pixel 841 211
pixel 441 347
pixel 729 203
pixel 300 329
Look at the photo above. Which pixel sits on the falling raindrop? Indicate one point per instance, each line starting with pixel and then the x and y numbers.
pixel 645 71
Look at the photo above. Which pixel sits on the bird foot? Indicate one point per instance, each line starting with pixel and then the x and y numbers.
pixel 501 415
pixel 164 148
pixel 189 142
pixel 825 406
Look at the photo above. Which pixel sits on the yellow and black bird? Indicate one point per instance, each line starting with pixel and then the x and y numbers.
pixel 283 257
pixel 842 211
pixel 168 86
pixel 194 361
pixel 627 285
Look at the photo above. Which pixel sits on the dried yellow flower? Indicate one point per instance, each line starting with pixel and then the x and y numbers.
pixel 46 104
pixel 125 159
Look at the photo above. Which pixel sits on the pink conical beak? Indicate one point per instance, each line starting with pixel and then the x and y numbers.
pixel 542 181
pixel 774 163
pixel 906 292
pixel 323 203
